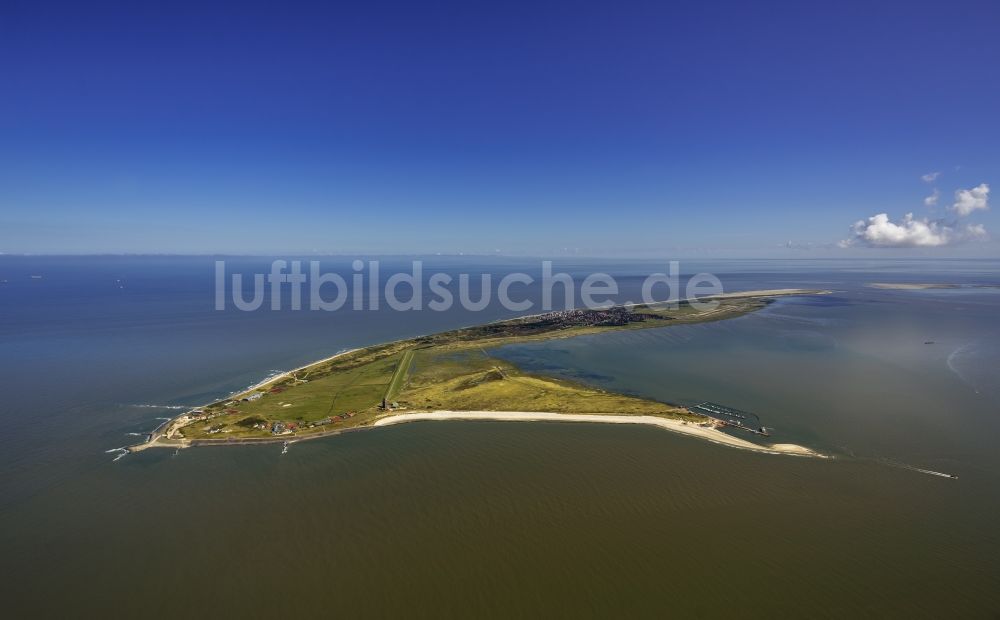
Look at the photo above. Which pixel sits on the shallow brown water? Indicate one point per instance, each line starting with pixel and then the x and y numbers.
pixel 440 519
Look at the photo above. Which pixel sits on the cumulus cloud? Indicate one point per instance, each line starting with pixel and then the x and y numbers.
pixel 969 200
pixel 879 232
pixel 930 177
pixel 932 200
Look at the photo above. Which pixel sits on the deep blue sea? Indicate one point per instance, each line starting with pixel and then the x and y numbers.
pixel 501 519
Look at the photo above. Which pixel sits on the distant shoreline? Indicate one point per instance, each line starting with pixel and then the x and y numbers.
pixel 904 286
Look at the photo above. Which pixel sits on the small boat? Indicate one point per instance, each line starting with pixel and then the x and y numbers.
pixel 284 450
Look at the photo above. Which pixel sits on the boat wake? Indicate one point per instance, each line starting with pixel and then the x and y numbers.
pixel 955 361
pixel 897 464
pixel 929 472
pixel 121 452
pixel 977 364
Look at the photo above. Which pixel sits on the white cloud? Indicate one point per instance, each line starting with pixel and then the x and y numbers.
pixel 930 177
pixel 932 200
pixel 976 231
pixel 879 232
pixel 969 200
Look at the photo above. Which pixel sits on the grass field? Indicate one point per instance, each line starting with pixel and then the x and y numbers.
pixel 356 389
pixel 470 380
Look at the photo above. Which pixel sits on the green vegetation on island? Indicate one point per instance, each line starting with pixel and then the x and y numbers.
pixel 451 370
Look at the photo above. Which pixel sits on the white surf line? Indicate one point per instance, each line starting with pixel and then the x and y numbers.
pixel 146 406
pixel 287 373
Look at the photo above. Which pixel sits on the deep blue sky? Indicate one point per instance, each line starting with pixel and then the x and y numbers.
pixel 653 129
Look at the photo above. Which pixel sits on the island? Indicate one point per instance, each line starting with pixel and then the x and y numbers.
pixel 453 376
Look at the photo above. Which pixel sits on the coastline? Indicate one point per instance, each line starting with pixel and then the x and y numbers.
pixel 288 373
pixel 169 427
pixel 709 433
pixel 165 434
pixel 904 286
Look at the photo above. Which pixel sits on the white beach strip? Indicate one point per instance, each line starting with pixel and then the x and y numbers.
pixel 775 292
pixel 677 426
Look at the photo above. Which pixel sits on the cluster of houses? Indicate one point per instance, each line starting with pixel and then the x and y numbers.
pixel 617 315
pixel 283 428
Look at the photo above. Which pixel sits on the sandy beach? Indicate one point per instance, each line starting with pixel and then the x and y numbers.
pixel 677 426
pixel 288 373
pixel 708 433
pixel 774 292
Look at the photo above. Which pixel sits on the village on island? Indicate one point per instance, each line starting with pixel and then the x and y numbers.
pixel 276 427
